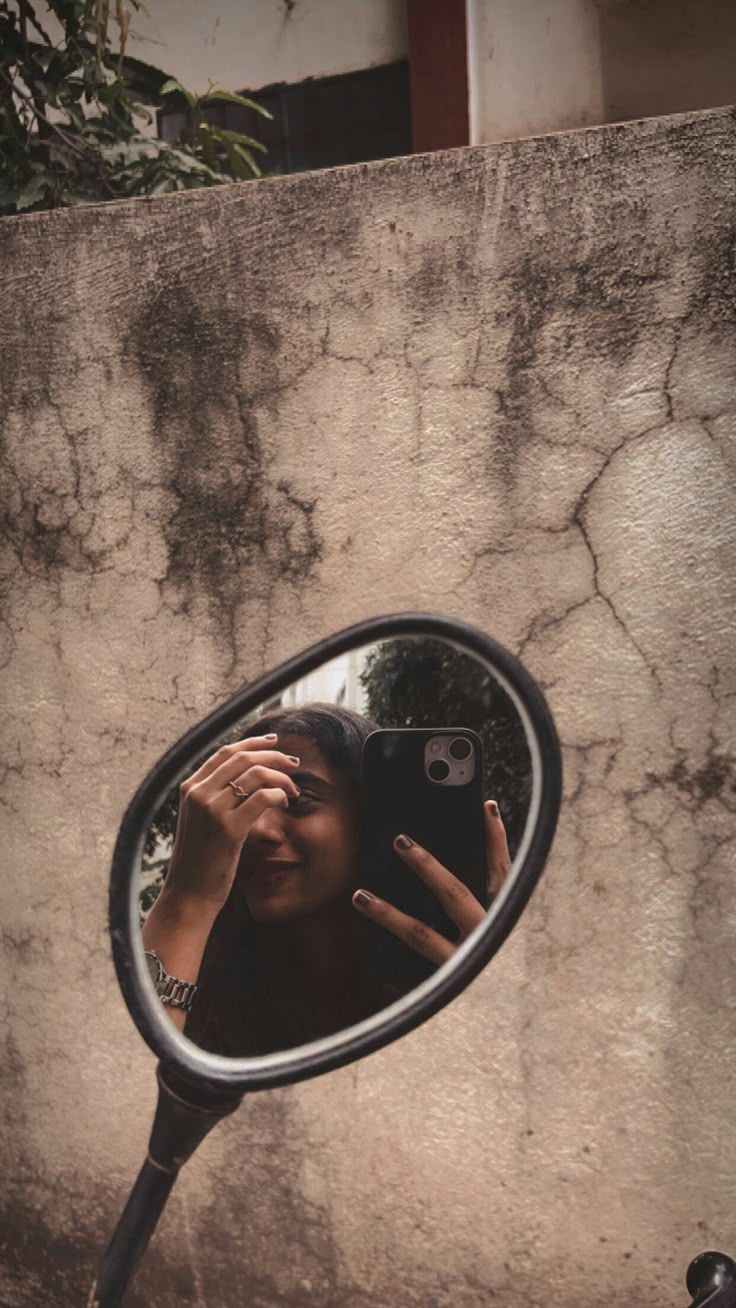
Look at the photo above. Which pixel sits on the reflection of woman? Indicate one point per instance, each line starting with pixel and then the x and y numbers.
pixel 259 902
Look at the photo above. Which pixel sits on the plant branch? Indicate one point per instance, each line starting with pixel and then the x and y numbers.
pixel 27 13
pixel 67 127
pixel 84 152
pixel 42 117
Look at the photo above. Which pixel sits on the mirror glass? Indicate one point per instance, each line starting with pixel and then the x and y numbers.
pixel 332 850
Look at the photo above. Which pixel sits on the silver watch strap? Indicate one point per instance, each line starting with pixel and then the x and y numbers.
pixel 171 991
pixel 178 994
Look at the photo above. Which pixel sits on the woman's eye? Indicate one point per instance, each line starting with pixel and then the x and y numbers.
pixel 302 800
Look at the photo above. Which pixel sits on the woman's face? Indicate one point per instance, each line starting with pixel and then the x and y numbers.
pixel 299 860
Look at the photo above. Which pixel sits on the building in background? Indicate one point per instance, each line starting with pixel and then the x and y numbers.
pixel 338 682
pixel 333 73
pixel 354 80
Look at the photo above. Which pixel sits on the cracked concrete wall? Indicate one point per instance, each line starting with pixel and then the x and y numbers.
pixel 496 382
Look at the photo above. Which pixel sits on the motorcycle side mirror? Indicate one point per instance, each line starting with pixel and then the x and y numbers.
pixel 318 867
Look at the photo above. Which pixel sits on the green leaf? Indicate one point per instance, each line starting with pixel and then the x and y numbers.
pixel 207 146
pixel 112 91
pixel 162 186
pixel 238 138
pixel 189 163
pixel 233 98
pixel 238 167
pixel 70 90
pixel 13 124
pixel 76 117
pixel 33 191
pixel 248 157
pixel 173 85
pixel 142 79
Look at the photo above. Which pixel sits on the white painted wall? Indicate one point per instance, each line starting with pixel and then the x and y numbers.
pixel 249 45
pixel 547 65
pixel 667 56
pixel 534 66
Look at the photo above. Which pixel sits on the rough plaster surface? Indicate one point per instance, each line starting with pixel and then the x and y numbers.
pixel 499 383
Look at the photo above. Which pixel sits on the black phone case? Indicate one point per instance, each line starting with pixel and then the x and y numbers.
pixel 447 821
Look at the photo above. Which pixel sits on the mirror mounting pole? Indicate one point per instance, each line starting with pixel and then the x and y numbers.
pixel 185 1114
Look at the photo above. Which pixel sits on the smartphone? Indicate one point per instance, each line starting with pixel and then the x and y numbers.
pixel 426 783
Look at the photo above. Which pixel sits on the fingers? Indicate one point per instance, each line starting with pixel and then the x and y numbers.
pixel 498 859
pixel 226 751
pixel 250 809
pixel 419 937
pixel 234 761
pixel 459 903
pixel 256 778
pixel 211 764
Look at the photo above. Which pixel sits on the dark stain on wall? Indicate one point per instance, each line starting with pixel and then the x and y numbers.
pixel 219 1251
pixel 715 779
pixel 443 273
pixel 41 548
pixel 54 1261
pixel 596 307
pixel 203 362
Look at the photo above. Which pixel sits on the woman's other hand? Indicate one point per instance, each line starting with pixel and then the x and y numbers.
pixel 455 898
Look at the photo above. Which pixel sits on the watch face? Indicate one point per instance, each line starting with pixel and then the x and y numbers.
pixel 155 970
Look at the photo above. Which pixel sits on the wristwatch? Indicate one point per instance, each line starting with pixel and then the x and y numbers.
pixel 173 993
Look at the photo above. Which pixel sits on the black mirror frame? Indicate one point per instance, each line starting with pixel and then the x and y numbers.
pixel 219 1074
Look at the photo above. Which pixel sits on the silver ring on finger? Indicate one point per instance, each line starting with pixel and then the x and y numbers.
pixel 238 790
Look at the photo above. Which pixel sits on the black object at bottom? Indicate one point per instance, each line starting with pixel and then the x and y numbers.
pixel 711 1280
pixel 185 1114
pixel 132 1234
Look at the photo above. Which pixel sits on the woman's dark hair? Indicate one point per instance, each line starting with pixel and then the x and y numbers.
pixel 227 1016
pixel 339 733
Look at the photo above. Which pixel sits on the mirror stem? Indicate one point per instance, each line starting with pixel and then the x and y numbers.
pixel 185 1114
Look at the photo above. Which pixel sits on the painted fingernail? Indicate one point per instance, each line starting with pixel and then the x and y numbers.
pixel 270 735
pixel 493 806
pixel 363 897
pixel 403 842
pixel 292 759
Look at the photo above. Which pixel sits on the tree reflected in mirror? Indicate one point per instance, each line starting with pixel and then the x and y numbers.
pixel 419 682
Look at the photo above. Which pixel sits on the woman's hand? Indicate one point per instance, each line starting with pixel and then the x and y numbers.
pixel 458 902
pixel 218 805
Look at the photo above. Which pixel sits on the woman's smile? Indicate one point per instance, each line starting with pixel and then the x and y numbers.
pixel 267 874
pixel 300 859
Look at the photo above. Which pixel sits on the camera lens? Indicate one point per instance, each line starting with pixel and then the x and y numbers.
pixel 460 748
pixel 438 770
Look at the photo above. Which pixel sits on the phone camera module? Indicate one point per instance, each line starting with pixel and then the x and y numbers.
pixel 438 770
pixel 460 748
